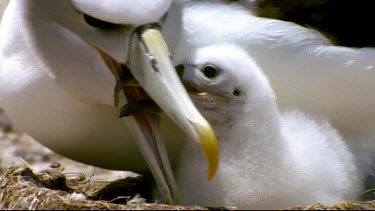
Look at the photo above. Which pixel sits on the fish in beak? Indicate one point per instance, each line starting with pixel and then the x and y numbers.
pixel 150 84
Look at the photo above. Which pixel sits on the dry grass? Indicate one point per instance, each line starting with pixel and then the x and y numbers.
pixel 22 189
pixel 340 206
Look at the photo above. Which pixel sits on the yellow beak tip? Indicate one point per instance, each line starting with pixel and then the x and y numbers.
pixel 212 168
pixel 210 148
pixel 211 175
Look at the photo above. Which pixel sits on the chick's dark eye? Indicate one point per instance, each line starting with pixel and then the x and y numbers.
pixel 94 22
pixel 180 70
pixel 236 92
pixel 210 71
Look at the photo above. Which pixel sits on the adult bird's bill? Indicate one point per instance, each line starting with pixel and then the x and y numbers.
pixel 151 70
pixel 150 63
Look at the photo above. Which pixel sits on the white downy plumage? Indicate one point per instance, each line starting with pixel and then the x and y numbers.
pixel 304 68
pixel 268 160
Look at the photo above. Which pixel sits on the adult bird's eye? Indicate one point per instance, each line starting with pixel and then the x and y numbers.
pixel 99 23
pixel 210 71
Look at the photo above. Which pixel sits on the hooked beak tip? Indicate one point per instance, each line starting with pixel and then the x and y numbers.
pixel 208 143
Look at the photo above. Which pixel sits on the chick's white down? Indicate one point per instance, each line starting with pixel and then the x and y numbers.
pixel 268 159
pixel 304 68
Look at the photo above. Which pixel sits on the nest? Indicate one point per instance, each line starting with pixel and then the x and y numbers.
pixel 22 189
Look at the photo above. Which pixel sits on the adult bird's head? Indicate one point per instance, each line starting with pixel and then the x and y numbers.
pixel 79 44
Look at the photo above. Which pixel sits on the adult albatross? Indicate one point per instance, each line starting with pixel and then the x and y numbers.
pixel 58 65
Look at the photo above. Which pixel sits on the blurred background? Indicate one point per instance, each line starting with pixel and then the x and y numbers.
pixel 4 122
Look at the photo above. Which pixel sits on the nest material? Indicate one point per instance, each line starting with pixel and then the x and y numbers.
pixel 340 206
pixel 21 188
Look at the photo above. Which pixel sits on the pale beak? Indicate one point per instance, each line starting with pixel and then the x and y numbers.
pixel 151 65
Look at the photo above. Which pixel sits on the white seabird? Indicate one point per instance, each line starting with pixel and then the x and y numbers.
pixel 58 62
pixel 269 160
pixel 305 69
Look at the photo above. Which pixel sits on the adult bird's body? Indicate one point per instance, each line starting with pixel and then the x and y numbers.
pixel 28 83
pixel 269 159
pixel 59 62
pixel 305 69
